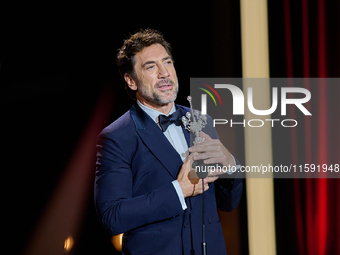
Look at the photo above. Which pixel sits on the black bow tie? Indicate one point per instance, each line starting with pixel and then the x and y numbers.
pixel 175 118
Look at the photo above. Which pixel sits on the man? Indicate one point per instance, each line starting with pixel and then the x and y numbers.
pixel 142 187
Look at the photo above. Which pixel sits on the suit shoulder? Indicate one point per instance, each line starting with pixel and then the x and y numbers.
pixel 120 127
pixel 183 107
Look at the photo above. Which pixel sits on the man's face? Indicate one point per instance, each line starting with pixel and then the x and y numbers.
pixel 156 81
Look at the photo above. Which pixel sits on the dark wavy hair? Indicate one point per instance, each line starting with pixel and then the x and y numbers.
pixel 134 44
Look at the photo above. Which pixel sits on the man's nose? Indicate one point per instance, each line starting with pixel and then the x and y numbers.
pixel 163 72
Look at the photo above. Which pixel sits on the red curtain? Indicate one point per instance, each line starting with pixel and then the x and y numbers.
pixel 312 50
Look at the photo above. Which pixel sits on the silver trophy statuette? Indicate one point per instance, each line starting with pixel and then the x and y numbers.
pixel 194 122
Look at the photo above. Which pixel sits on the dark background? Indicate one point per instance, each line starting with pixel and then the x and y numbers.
pixel 56 59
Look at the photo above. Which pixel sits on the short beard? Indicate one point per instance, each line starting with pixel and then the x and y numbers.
pixel 154 97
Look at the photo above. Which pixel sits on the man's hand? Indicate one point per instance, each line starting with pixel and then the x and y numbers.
pixel 192 186
pixel 212 151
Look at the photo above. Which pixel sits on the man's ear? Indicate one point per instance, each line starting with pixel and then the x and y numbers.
pixel 130 81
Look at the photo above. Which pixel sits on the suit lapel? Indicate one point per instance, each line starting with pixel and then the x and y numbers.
pixel 155 140
pixel 159 145
pixel 186 132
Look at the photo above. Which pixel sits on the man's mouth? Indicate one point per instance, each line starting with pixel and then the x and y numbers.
pixel 165 86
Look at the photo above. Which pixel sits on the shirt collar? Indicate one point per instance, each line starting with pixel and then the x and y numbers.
pixel 154 113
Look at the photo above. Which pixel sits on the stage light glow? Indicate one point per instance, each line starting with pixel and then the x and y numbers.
pixel 117 242
pixel 68 244
pixel 65 211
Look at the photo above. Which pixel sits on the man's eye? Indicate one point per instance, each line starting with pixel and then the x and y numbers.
pixel 150 67
pixel 169 62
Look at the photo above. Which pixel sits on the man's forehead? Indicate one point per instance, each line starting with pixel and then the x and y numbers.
pixel 151 53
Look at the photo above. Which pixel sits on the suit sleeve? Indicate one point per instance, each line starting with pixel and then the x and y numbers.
pixel 116 206
pixel 228 193
pixel 228 189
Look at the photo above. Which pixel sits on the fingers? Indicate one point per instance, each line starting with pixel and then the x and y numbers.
pixel 210 179
pixel 198 189
pixel 201 146
pixel 189 182
pixel 210 154
pixel 207 145
pixel 183 178
pixel 211 151
pixel 187 164
pixel 205 136
pixel 215 160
